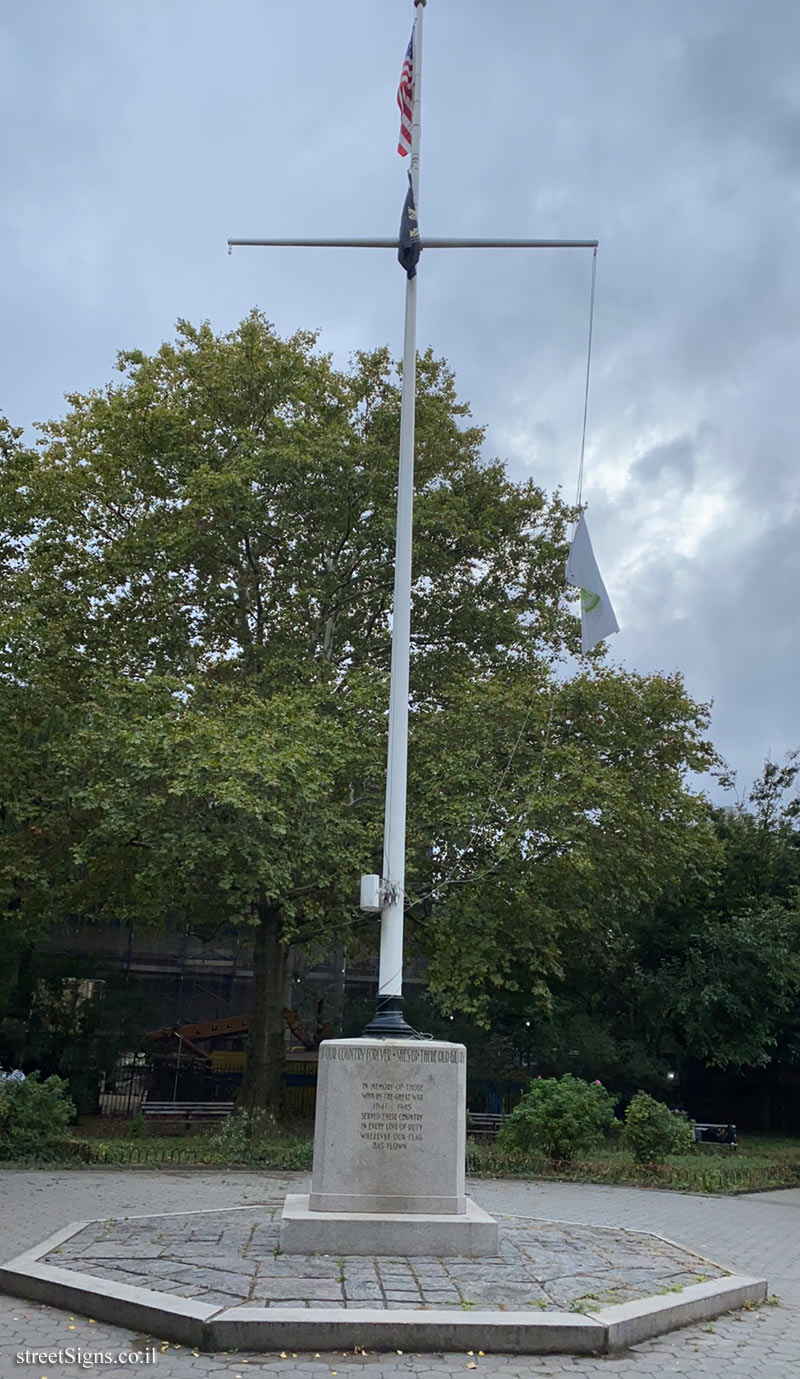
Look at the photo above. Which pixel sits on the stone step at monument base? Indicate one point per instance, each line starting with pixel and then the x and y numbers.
pixel 402 1233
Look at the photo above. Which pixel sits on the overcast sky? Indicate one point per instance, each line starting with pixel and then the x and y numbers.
pixel 137 135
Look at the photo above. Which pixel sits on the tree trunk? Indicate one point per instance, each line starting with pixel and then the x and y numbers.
pixel 262 1088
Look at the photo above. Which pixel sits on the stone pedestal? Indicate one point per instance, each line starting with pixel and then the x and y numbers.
pixel 389 1148
pixel 390 1131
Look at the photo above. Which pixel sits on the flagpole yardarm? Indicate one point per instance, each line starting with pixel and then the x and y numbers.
pixel 432 242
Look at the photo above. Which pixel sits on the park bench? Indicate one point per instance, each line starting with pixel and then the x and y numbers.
pixel 172 1114
pixel 715 1134
pixel 484 1124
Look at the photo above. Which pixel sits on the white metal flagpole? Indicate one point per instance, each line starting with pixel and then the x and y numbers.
pixel 387 892
pixel 388 1020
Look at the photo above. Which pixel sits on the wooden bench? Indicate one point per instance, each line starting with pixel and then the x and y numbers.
pixel 183 1113
pixel 484 1124
pixel 705 1133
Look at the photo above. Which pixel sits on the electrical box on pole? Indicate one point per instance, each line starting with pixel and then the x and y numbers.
pixel 371 894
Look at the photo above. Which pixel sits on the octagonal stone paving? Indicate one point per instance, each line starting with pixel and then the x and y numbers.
pixel 222 1277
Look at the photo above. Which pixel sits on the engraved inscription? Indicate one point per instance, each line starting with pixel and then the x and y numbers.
pixel 392 1117
pixel 369 1054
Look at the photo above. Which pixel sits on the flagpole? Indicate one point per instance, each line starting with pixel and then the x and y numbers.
pixel 388 1021
pixel 387 892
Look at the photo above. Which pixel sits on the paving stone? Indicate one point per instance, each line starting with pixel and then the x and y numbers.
pixel 316 1289
pixel 758 1234
pixel 547 1264
pixel 298 1266
pixel 213 1278
pixel 358 1290
pixel 224 1299
pixel 115 1250
pixel 228 1263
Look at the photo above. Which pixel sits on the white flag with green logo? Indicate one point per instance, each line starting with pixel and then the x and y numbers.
pixel 597 615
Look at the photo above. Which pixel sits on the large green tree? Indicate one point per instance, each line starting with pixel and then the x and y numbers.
pixel 196 625
pixel 705 976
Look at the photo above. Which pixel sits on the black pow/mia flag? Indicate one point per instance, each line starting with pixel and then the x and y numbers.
pixel 408 249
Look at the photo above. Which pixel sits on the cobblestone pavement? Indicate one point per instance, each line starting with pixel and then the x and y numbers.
pixel 756 1234
pixel 232 1257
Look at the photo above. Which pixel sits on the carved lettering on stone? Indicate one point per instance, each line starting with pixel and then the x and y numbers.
pixel 369 1054
pixel 392 1117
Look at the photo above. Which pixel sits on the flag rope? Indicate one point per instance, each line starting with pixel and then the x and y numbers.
pixel 452 879
pixel 579 494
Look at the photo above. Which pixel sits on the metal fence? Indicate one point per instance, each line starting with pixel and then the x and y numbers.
pixel 163 1078
pixel 140 1076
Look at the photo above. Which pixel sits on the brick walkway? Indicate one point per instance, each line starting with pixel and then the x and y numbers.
pixel 757 1234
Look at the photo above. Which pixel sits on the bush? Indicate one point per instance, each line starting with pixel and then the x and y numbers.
pixel 652 1131
pixel 136 1127
pixel 235 1138
pixel 559 1117
pixel 247 1139
pixel 33 1115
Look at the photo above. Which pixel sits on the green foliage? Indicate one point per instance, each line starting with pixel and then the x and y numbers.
pixel 247 1139
pixel 234 1137
pixel 194 647
pixel 733 984
pixel 68 1016
pixel 33 1115
pixel 587 834
pixel 559 1117
pixel 652 1131
pixel 137 1127
pixel 706 973
pixel 703 1170
pixel 761 840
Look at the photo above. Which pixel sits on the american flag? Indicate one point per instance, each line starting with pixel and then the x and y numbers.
pixel 405 99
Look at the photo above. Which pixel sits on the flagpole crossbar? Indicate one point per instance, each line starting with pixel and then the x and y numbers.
pixel 430 243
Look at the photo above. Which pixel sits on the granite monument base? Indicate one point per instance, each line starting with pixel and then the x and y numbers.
pixel 389 1148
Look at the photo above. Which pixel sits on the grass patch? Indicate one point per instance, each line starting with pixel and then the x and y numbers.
pixel 276 1151
pixel 761 1161
pixel 758 1164
pixel 97 1143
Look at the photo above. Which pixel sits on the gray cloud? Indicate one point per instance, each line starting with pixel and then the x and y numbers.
pixel 136 138
pixel 672 462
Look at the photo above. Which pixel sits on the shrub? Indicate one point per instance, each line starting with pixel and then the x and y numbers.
pixel 136 1127
pixel 559 1117
pixel 234 1138
pixel 247 1139
pixel 33 1115
pixel 652 1131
